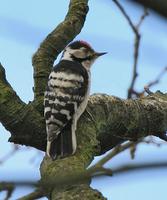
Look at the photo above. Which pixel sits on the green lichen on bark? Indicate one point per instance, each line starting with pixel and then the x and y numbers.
pixel 76 192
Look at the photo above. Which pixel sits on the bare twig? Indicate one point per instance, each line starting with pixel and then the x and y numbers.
pixel 157 79
pixel 141 166
pixel 8 187
pixel 113 153
pixel 150 84
pixel 158 6
pixel 148 90
pixel 135 29
pixel 133 149
pixel 126 16
pixel 34 195
pixel 145 14
pixel 97 169
pixel 136 54
pixel 9 154
pixel 84 175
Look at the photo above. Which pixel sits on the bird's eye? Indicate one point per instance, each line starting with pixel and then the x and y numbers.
pixel 89 57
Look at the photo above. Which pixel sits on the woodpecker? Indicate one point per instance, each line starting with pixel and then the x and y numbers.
pixel 66 97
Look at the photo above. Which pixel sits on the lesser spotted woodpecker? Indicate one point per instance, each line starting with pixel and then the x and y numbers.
pixel 66 97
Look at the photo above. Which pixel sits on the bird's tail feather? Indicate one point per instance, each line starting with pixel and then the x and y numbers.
pixel 61 146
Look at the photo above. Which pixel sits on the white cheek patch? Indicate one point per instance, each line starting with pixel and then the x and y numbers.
pixel 79 53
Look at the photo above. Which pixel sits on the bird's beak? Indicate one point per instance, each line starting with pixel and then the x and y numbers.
pixel 97 54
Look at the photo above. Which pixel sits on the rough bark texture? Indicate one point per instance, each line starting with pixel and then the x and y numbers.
pixel 109 120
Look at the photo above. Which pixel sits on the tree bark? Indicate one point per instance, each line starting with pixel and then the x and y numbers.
pixel 107 122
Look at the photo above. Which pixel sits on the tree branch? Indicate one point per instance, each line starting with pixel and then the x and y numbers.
pixel 114 152
pixel 21 120
pixel 9 154
pixel 119 120
pixel 55 42
pixel 8 187
pixel 135 29
pixel 34 195
pixel 79 178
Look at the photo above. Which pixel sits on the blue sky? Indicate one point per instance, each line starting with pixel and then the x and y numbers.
pixel 24 24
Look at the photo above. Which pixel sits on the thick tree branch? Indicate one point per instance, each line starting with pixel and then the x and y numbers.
pixel 21 120
pixel 128 119
pixel 119 120
pixel 55 42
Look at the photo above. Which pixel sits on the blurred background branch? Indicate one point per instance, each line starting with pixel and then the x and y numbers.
pixel 159 6
pixel 135 28
pixel 8 187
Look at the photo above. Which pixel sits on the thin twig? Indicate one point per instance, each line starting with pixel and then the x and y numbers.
pixel 34 195
pixel 113 153
pixel 8 187
pixel 157 79
pixel 136 54
pixel 126 16
pixel 82 176
pixel 140 166
pixel 148 90
pixel 9 154
pixel 135 29
pixel 150 84
pixel 145 14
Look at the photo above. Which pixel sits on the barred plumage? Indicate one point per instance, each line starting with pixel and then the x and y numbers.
pixel 66 98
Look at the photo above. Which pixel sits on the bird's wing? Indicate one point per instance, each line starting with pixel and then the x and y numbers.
pixel 66 90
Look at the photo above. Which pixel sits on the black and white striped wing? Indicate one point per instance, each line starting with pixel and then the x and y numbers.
pixel 66 91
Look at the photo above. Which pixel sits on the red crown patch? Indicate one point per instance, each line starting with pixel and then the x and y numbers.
pixel 85 43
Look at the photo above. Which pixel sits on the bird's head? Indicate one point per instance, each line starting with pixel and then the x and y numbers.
pixel 81 51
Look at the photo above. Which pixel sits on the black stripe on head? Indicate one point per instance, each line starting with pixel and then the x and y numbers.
pixel 80 60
